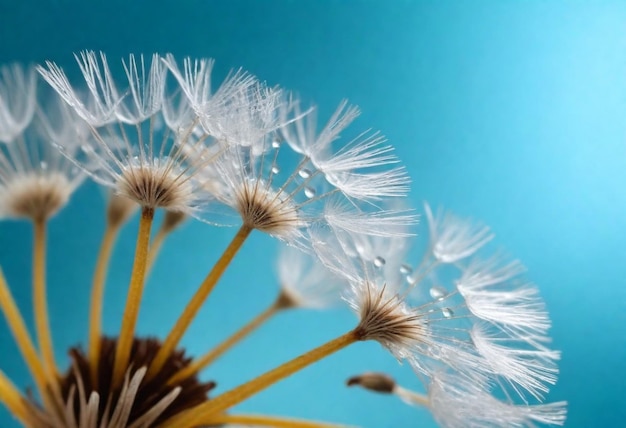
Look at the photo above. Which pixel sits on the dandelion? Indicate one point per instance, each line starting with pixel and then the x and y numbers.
pixel 165 137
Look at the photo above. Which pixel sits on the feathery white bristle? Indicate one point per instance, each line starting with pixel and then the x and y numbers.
pixel 453 238
pixel 455 403
pixel 17 100
pixel 146 90
pixel 524 367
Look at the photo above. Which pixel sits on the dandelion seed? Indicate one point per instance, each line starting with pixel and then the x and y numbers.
pixel 127 154
pixel 35 180
pixel 383 384
pixel 352 169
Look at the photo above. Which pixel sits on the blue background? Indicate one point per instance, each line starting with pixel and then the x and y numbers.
pixel 511 112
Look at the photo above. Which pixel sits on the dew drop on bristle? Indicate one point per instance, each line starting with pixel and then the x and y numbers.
pixel 304 173
pixel 275 144
pixel 379 262
pixel 447 312
pixel 359 249
pixel 438 293
pixel 405 269
pixel 309 192
pixel 275 170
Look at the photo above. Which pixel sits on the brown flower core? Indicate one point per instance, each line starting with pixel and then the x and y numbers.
pixel 192 391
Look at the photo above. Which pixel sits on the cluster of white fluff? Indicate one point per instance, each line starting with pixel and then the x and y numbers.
pixel 469 323
pixel 167 137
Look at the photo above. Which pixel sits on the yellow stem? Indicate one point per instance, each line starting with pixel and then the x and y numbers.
pixel 267 421
pixel 220 349
pixel 21 335
pixel 155 248
pixel 235 396
pixel 171 221
pixel 197 301
pixel 12 399
pixel 133 299
pixel 97 297
pixel 42 324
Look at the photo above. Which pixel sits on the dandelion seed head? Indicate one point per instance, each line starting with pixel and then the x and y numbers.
pixel 385 318
pixel 263 209
pixel 35 196
pixel 156 186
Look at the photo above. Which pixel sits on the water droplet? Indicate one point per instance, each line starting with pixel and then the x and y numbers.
pixel 379 261
pixel 438 293
pixel 275 169
pixel 275 144
pixel 309 192
pixel 43 165
pixel 405 269
pixel 447 312
pixel 359 248
pixel 304 173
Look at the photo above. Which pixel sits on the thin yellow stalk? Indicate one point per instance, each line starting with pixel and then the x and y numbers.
pixel 12 399
pixel 267 421
pixel 155 248
pixel 219 350
pixel 97 296
pixel 235 396
pixel 40 304
pixel 133 299
pixel 197 301
pixel 171 221
pixel 21 335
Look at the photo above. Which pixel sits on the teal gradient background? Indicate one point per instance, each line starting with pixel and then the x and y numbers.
pixel 510 112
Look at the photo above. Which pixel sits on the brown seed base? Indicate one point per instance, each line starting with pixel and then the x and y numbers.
pixel 193 391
